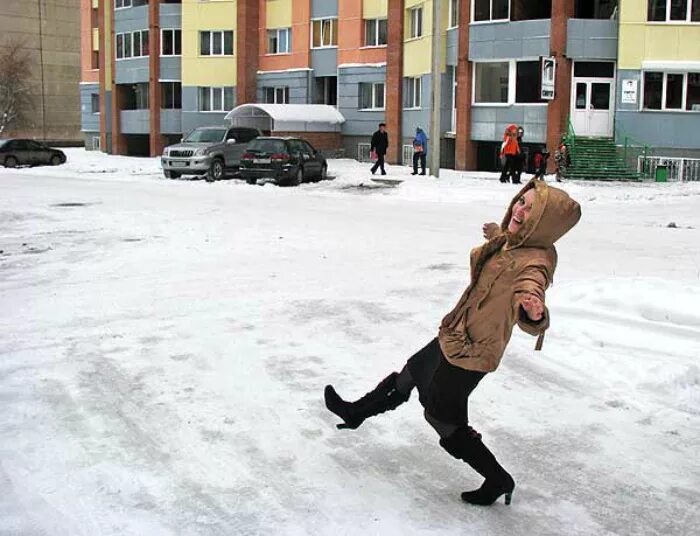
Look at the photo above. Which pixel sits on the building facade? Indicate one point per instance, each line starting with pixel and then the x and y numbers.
pixel 47 31
pixel 153 70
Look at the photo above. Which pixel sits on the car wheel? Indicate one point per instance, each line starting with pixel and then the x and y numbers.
pixel 171 174
pixel 10 162
pixel 216 171
pixel 56 160
pixel 298 177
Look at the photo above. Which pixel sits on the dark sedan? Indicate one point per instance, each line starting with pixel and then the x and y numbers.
pixel 289 161
pixel 17 152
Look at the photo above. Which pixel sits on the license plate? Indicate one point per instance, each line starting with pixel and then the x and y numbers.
pixel 175 163
pixel 261 161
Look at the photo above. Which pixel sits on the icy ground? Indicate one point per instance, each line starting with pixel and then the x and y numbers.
pixel 164 347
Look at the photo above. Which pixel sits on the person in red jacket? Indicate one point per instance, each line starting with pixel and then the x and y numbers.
pixel 510 155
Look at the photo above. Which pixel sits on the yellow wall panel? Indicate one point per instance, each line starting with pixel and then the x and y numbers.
pixel 657 42
pixel 374 9
pixel 278 13
pixel 207 70
pixel 95 39
pixel 633 11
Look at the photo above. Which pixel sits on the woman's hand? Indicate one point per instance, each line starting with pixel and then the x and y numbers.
pixel 490 230
pixel 534 308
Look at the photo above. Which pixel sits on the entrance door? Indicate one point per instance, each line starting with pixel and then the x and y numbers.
pixel 593 98
pixel 593 107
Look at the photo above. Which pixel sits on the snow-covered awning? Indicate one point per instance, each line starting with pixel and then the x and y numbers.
pixel 287 117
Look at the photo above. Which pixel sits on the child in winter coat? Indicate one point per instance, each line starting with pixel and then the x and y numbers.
pixel 510 155
pixel 541 163
pixel 509 276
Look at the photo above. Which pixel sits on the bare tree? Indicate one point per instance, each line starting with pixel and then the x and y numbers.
pixel 15 87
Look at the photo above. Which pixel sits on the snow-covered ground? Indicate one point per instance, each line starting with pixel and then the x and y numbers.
pixel 165 345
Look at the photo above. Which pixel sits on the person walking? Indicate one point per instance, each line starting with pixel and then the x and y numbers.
pixel 541 163
pixel 520 161
pixel 420 151
pixel 378 147
pixel 509 276
pixel 510 151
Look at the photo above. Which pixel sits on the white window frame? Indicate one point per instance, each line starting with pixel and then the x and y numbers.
pixel 491 19
pixel 92 97
pixel 453 114
pixel 415 22
pixel 162 40
pixel 664 92
pixel 375 92
pixel 417 82
pixel 124 4
pixel 376 21
pixel 288 32
pixel 320 21
pixel 277 90
pixel 161 82
pixel 130 53
pixel 688 12
pixel 453 14
pixel 512 85
pixel 95 143
pixel 223 43
pixel 212 90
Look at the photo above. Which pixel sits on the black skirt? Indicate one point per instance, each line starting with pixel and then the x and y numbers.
pixel 443 389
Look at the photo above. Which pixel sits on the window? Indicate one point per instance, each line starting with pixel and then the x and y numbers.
pixel 215 99
pixel 527 82
pixel 372 96
pixel 132 45
pixel 453 20
pixel 276 95
pixel 324 33
pixel 491 82
pixel 278 41
pixel 673 10
pixel 375 32
pixel 118 4
pixel 487 10
pixel 415 18
pixel 218 43
pixel 672 91
pixel 171 43
pixel 412 92
pixel 135 96
pixel 171 95
pixel 95 103
pixel 326 90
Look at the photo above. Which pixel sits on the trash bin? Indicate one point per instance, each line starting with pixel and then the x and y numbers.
pixel 662 173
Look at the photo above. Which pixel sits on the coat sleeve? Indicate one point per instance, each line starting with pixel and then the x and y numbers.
pixel 533 280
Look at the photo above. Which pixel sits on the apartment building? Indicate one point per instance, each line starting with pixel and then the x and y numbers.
pixel 154 70
pixel 46 30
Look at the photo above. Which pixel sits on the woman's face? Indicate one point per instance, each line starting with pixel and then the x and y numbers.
pixel 521 211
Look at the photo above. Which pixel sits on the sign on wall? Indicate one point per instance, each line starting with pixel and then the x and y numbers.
pixel 548 68
pixel 629 91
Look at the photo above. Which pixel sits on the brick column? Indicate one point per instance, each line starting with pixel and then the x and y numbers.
pixel 247 50
pixel 118 139
pixel 101 14
pixel 558 109
pixel 465 148
pixel 394 80
pixel 154 95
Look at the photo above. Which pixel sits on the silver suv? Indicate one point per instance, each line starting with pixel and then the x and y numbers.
pixel 208 150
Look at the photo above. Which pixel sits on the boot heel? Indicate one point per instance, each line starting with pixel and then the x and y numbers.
pixel 509 497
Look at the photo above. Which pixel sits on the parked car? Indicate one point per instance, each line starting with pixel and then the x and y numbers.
pixel 208 150
pixel 289 161
pixel 19 152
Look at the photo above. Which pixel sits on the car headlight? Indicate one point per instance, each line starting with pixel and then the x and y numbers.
pixel 200 152
pixel 165 151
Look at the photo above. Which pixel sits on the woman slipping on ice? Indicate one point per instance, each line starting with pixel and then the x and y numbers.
pixel 509 276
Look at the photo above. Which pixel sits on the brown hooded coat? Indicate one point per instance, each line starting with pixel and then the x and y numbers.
pixel 474 335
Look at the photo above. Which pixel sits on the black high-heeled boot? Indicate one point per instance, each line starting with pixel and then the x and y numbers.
pixel 383 398
pixel 466 445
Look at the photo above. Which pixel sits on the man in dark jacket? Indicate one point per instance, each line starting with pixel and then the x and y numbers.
pixel 380 143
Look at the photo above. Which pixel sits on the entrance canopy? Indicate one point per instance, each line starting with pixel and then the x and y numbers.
pixel 287 117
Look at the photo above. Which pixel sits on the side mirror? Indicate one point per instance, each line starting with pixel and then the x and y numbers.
pixel 231 140
pixel 182 139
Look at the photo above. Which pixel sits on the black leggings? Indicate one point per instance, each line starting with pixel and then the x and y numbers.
pixel 404 385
